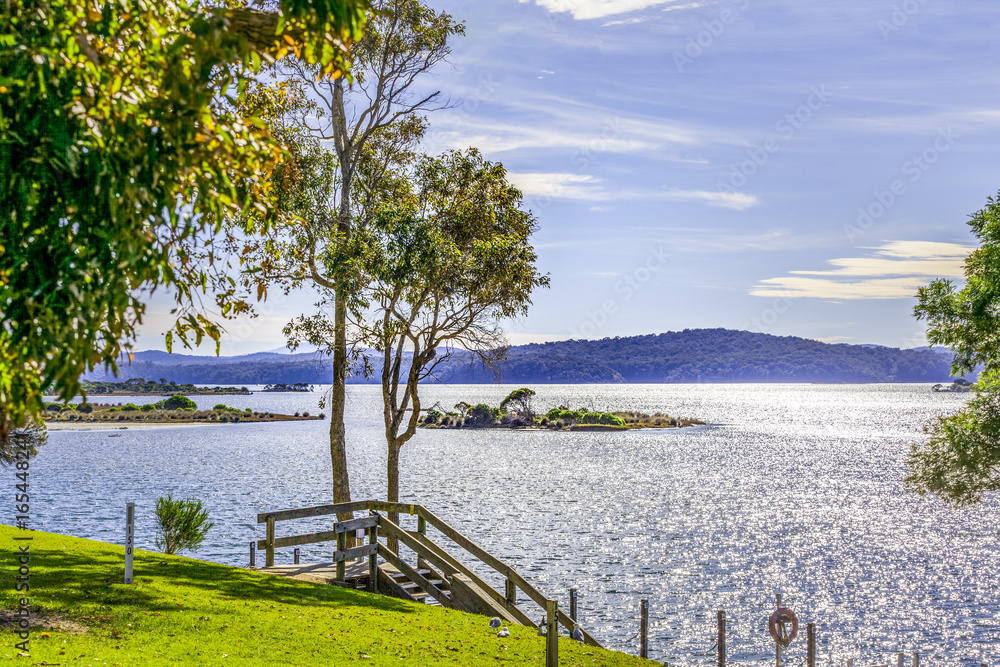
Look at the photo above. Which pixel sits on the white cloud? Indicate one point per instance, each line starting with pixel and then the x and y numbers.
pixel 597 9
pixel 736 200
pixel 893 271
pixel 834 339
pixel 559 185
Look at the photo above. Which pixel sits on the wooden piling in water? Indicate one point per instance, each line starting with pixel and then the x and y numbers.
pixel 253 554
pixel 644 628
pixel 777 645
pixel 572 603
pixel 811 645
pixel 721 639
pixel 295 556
pixel 916 659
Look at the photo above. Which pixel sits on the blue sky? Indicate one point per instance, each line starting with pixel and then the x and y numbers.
pixel 792 167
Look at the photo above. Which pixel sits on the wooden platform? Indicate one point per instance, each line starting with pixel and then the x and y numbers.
pixel 319 573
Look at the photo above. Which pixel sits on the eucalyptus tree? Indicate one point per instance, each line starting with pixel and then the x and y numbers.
pixel 319 245
pixel 448 264
pixel 115 154
pixel 961 459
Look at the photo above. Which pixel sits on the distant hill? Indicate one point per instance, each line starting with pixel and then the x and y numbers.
pixel 692 355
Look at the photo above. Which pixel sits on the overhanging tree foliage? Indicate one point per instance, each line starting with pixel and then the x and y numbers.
pixel 961 460
pixel 116 152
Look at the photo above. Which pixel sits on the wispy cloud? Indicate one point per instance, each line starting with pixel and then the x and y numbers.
pixel 558 185
pixel 736 200
pixel 893 271
pixel 597 9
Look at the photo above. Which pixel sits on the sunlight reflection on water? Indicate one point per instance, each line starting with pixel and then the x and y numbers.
pixel 791 488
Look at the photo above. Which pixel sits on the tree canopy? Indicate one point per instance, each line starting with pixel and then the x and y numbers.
pixel 961 459
pixel 118 143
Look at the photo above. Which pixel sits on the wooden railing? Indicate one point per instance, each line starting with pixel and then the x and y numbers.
pixel 427 552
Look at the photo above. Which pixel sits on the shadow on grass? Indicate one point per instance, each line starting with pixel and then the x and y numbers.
pixel 70 579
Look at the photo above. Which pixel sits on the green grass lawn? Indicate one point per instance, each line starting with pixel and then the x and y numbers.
pixel 187 612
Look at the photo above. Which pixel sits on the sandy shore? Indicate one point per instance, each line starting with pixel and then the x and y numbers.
pixel 98 426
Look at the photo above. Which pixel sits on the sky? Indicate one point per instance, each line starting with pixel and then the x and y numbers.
pixel 792 167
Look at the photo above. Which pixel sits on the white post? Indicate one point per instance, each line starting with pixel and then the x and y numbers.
pixel 129 539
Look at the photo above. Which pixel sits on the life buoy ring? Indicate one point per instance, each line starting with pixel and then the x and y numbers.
pixel 779 631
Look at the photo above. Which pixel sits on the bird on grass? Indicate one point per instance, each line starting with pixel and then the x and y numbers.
pixel 504 633
pixel 542 629
pixel 495 622
pixel 577 633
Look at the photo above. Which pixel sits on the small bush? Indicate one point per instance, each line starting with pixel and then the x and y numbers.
pixel 220 406
pixel 433 417
pixel 177 402
pixel 182 524
pixel 130 407
pixel 482 415
pixel 85 408
pixel 148 407
pixel 305 414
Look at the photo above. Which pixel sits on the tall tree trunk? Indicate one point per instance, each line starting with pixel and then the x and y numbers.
pixel 338 401
pixel 338 393
pixel 392 492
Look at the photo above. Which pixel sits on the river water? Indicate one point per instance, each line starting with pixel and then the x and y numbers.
pixel 792 489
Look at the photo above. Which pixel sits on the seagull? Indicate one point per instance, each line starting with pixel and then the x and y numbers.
pixel 577 633
pixel 495 622
pixel 542 629
pixel 504 633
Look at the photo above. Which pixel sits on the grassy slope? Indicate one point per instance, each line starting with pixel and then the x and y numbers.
pixel 184 611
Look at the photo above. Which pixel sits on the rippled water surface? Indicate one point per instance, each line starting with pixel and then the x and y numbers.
pixel 790 488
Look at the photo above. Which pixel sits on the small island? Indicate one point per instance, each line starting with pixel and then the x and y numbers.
pixel 959 386
pixel 281 386
pixel 177 409
pixel 516 412
pixel 142 387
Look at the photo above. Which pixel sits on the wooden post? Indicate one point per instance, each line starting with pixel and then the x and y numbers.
pixel 850 662
pixel 552 633
pixel 253 554
pixel 129 540
pixel 811 646
pixel 295 556
pixel 269 540
pixel 511 592
pixel 341 564
pixel 572 603
pixel 373 560
pixel 644 628
pixel 777 645
pixel 422 529
pixel 899 660
pixel 721 621
pixel 916 659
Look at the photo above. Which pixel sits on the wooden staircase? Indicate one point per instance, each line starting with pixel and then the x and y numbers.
pixel 438 578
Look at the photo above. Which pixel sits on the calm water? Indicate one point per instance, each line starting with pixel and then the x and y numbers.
pixel 791 488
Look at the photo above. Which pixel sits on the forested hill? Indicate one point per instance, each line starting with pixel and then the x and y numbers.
pixel 693 355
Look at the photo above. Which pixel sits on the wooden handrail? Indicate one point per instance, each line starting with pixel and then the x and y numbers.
pixel 422 546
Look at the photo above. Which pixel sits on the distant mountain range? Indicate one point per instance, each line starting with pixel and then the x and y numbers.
pixel 692 355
